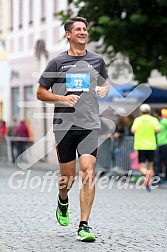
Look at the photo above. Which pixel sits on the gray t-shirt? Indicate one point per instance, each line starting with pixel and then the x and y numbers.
pixel 79 75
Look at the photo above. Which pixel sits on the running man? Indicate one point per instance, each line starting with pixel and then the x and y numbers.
pixel 75 77
pixel 144 129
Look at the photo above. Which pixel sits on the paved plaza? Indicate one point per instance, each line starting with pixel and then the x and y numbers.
pixel 122 219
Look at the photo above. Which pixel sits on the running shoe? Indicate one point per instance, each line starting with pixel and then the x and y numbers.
pixel 84 234
pixel 62 214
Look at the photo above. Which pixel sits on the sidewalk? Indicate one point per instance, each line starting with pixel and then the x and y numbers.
pixel 43 166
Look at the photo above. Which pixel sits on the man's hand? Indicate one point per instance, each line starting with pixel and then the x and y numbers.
pixel 70 100
pixel 102 91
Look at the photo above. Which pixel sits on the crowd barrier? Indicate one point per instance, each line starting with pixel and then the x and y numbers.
pixel 112 154
pixel 3 149
pixel 115 154
pixel 119 156
pixel 6 143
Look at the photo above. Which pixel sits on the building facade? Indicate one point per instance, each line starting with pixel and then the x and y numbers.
pixel 4 66
pixel 35 35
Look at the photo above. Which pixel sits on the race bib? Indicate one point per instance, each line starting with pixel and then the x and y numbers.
pixel 78 82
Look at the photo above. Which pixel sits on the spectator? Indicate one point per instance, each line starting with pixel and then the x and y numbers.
pixel 118 136
pixel 3 128
pixel 162 144
pixel 128 121
pixel 144 129
pixel 10 133
pixel 123 128
pixel 30 131
pixel 3 145
pixel 22 132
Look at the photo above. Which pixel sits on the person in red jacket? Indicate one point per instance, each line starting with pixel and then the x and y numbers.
pixel 3 146
pixel 3 128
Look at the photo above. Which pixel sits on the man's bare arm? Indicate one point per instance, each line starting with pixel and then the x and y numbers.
pixel 43 94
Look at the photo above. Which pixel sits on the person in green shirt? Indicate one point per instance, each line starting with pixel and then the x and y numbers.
pixel 144 129
pixel 162 144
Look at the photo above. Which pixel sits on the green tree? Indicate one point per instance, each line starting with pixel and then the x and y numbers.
pixel 137 29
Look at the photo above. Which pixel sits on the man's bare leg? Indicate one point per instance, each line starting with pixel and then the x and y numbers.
pixel 148 172
pixel 67 171
pixel 65 183
pixel 143 168
pixel 87 192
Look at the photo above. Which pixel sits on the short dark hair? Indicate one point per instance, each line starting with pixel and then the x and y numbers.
pixel 69 22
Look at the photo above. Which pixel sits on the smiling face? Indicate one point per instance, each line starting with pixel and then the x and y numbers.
pixel 78 34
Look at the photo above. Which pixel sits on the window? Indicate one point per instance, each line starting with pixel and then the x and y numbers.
pixel 55 7
pixel 15 99
pixel 11 15
pixel 1 109
pixel 43 10
pixel 31 10
pixel 1 16
pixel 28 96
pixel 28 93
pixel 20 13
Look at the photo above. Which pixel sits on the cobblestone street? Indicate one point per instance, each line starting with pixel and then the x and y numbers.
pixel 123 220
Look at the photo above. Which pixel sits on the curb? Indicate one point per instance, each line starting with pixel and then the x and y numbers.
pixel 42 166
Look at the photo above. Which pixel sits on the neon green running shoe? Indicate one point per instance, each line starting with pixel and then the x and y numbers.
pixel 62 214
pixel 84 234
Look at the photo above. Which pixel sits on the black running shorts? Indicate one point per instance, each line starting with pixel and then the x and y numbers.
pixel 82 141
pixel 145 155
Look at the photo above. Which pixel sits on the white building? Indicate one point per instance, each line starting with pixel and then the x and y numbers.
pixel 4 67
pixel 33 29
